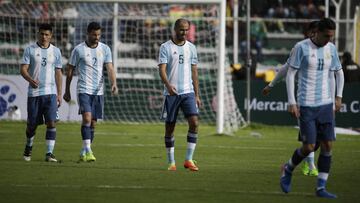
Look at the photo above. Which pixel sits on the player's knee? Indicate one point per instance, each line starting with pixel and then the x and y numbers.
pixel 326 147
pixel 30 131
pixel 50 124
pixel 307 149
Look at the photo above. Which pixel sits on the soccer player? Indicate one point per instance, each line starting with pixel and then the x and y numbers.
pixel 178 71
pixel 41 67
pixel 88 60
pixel 309 167
pixel 313 58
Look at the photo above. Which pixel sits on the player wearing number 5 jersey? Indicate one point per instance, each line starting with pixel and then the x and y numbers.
pixel 88 60
pixel 178 71
pixel 41 67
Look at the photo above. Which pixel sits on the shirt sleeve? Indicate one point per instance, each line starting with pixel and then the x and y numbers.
pixel 163 55
pixel 295 57
pixel 280 75
pixel 194 57
pixel 26 56
pixel 74 58
pixel 335 62
pixel 58 59
pixel 290 85
pixel 108 56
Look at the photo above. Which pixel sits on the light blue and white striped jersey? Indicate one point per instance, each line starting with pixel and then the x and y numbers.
pixel 178 60
pixel 89 64
pixel 313 64
pixel 42 63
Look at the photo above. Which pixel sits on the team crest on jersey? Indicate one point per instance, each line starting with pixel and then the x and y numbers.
pixel 327 56
pixel 99 54
pixel 174 53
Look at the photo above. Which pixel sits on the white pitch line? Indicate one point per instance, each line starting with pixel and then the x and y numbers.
pixel 141 187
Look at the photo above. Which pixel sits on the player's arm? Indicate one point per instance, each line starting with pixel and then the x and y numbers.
pixel 290 87
pixel 112 78
pixel 58 81
pixel 24 71
pixel 195 80
pixel 339 77
pixel 279 76
pixel 69 76
pixel 162 72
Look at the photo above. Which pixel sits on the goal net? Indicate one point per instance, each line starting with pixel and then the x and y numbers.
pixel 134 31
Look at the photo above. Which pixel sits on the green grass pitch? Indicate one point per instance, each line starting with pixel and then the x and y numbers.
pixel 131 166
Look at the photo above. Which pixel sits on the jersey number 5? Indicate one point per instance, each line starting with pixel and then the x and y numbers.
pixel 181 59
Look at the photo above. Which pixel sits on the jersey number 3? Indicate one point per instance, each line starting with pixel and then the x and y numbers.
pixel 43 61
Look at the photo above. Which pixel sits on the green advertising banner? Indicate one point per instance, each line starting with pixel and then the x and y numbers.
pixel 272 109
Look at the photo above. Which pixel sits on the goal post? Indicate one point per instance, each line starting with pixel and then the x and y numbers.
pixel 134 29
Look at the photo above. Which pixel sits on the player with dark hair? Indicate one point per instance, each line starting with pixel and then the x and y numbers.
pixel 309 167
pixel 88 60
pixel 314 58
pixel 41 67
pixel 178 71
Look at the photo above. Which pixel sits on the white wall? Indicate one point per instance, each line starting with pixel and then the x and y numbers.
pixel 18 87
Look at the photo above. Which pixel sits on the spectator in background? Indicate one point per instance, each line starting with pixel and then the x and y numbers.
pixel 351 69
pixel 258 32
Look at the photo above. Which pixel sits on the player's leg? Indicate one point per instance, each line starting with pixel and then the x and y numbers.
pixel 191 112
pixel 170 145
pixel 85 102
pixel 50 114
pixel 31 125
pixel 310 163
pixel 171 107
pixel 97 109
pixel 308 134
pixel 326 137
pixel 92 130
pixel 324 164
pixel 305 168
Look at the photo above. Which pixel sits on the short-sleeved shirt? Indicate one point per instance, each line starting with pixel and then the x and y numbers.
pixel 42 64
pixel 179 60
pixel 314 64
pixel 89 64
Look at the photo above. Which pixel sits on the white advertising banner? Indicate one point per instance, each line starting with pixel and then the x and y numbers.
pixel 13 99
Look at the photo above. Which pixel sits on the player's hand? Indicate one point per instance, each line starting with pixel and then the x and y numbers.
pixel 198 102
pixel 114 90
pixel 266 90
pixel 294 110
pixel 59 100
pixel 338 103
pixel 67 96
pixel 34 83
pixel 172 90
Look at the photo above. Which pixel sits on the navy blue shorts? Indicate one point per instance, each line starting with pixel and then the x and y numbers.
pixel 172 104
pixel 42 108
pixel 91 103
pixel 317 123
